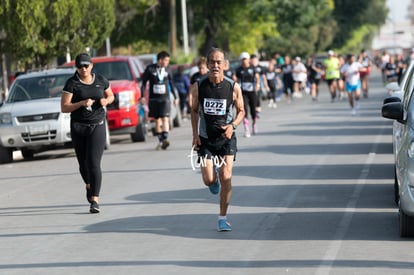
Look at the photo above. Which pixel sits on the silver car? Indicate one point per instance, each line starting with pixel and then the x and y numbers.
pixel 400 107
pixel 30 118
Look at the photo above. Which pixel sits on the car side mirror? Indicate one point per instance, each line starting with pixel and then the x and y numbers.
pixel 391 99
pixel 393 110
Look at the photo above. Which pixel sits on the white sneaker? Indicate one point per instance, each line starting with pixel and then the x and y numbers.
pixel 247 133
pixel 246 127
pixel 357 105
pixel 270 103
pixel 353 111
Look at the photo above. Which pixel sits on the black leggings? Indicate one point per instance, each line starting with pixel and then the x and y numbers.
pixel 89 148
pixel 249 99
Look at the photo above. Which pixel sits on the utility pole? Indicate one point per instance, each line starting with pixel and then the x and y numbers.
pixel 185 29
pixel 173 28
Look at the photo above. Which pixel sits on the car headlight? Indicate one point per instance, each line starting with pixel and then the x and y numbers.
pixel 126 99
pixel 5 118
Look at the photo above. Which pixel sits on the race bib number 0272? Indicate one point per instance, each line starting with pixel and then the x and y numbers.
pixel 213 106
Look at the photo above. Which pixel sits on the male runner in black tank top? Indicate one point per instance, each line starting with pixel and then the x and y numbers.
pixel 161 85
pixel 213 122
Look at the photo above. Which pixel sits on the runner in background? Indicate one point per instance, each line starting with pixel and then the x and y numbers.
pixel 364 75
pixel 264 89
pixel 249 82
pixel 332 73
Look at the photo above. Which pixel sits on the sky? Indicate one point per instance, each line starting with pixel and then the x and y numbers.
pixel 397 32
pixel 398 9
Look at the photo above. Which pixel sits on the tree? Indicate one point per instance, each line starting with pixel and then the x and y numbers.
pixel 39 30
pixel 357 21
pixel 141 24
pixel 305 27
pixel 75 25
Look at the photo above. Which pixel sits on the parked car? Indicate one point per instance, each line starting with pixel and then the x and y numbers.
pixel 30 118
pixel 400 107
pixel 147 59
pixel 124 74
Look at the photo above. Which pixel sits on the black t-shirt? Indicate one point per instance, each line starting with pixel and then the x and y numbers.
pixel 287 72
pixel 391 69
pixel 160 82
pixel 229 74
pixel 271 78
pixel 81 91
pixel 195 77
pixel 247 78
pixel 313 74
pixel 260 70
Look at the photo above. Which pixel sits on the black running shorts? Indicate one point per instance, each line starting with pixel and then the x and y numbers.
pixel 218 147
pixel 159 108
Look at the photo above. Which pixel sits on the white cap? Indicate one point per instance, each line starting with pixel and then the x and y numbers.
pixel 330 52
pixel 244 55
pixel 297 58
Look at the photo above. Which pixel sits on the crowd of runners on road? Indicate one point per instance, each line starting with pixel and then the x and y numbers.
pixel 286 78
pixel 217 97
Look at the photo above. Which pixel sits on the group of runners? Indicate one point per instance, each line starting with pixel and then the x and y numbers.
pixel 290 78
pixel 219 99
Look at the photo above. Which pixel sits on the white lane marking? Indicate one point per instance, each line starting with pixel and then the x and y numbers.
pixel 329 258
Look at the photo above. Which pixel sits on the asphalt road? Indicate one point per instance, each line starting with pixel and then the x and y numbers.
pixel 313 194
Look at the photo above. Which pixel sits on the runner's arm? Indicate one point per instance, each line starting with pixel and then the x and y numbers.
pixel 194 113
pixel 238 103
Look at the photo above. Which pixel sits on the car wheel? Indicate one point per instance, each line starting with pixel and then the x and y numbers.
pixel 140 133
pixel 27 154
pixel 406 225
pixel 6 155
pixel 396 188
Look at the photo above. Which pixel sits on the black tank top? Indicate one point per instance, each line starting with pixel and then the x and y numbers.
pixel 247 78
pixel 159 81
pixel 216 106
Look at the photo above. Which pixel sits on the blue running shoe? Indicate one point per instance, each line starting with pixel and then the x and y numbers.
pixel 215 187
pixel 223 225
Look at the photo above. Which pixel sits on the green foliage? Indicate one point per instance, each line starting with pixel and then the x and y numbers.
pixel 304 27
pixel 36 30
pixel 359 39
pixel 141 20
pixel 294 27
pixel 39 30
pixel 353 14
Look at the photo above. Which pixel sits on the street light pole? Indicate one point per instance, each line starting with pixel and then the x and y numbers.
pixel 185 29
pixel 173 28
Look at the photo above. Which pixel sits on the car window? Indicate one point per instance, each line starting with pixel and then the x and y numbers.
pixel 39 87
pixel 408 86
pixel 116 70
pixel 139 66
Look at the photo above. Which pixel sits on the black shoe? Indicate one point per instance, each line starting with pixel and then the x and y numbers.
pixel 165 144
pixel 94 207
pixel 89 195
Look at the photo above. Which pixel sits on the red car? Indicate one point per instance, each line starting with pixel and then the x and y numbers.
pixel 124 74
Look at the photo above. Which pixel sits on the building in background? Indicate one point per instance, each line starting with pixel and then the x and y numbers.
pixel 397 35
